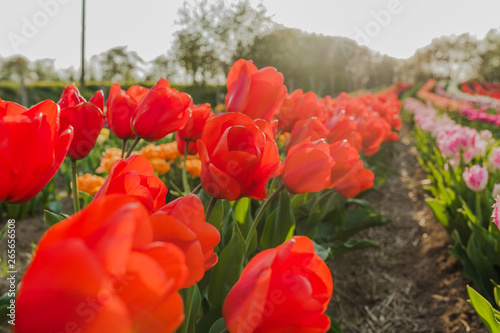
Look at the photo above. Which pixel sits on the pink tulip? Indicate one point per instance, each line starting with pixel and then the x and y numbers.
pixel 496 212
pixel 476 178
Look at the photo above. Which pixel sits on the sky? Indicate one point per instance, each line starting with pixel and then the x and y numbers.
pixel 51 29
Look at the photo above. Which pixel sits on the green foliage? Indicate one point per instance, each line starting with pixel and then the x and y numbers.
pixel 489 315
pixel 332 221
pixel 231 260
pixel 52 218
pixel 5 302
pixel 280 224
pixel 467 217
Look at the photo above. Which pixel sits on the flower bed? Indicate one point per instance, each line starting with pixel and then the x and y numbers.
pixel 224 225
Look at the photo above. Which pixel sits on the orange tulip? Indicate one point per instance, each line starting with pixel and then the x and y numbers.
pixel 286 289
pixel 256 93
pixel 187 228
pixel 135 177
pixel 32 149
pixel 103 272
pixel 307 167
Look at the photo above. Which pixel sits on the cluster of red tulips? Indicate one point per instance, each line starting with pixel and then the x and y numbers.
pixel 491 89
pixel 122 263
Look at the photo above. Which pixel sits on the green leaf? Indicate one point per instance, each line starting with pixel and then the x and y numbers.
pixel 217 214
pixel 218 327
pixel 241 209
pixel 208 320
pixel 281 227
pixel 4 304
pixel 243 214
pixel 52 218
pixel 86 198
pixel 322 252
pixel 54 206
pixel 228 269
pixel 195 308
pixel 484 310
pixel 352 245
pixel 334 326
pixel 298 200
pixel 356 220
pixel 439 209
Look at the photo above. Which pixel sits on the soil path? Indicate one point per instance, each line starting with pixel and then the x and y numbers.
pixel 412 284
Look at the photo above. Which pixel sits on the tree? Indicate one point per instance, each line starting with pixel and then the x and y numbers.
pixel 44 70
pixel 213 35
pixel 120 65
pixel 490 56
pixel 160 67
pixel 448 57
pixel 17 69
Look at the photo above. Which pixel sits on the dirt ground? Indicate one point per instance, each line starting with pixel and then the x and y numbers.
pixel 411 284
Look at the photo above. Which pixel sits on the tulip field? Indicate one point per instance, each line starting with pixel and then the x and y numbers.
pixel 164 214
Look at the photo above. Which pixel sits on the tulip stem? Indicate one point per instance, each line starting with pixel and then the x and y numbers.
pixel 210 208
pixel 132 147
pixel 261 212
pixel 74 180
pixel 196 189
pixel 184 171
pixel 124 147
pixel 188 304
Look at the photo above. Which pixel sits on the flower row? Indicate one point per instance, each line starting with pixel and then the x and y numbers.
pixel 131 261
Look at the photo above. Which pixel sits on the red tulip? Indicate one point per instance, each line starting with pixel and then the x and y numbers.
pixel 286 289
pixel 340 126
pixel 357 181
pixel 238 157
pixel 256 93
pixel 136 178
pixel 346 158
pixel 102 271
pixel 32 149
pixel 181 146
pixel 86 118
pixel 137 93
pixel 162 111
pixel 296 106
pixel 311 128
pixel 374 130
pixel 307 167
pixel 187 229
pixel 200 116
pixel 120 107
